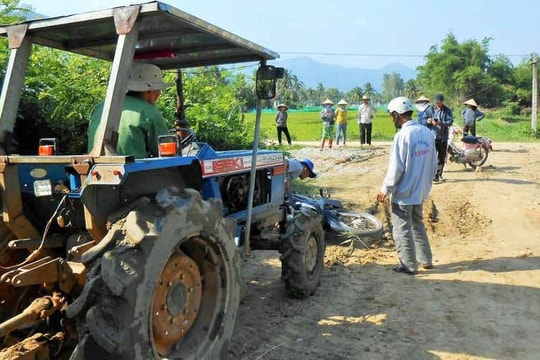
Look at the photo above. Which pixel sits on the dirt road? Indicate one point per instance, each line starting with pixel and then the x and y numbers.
pixel 482 301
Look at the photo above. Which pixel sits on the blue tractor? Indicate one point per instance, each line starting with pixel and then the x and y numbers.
pixel 107 256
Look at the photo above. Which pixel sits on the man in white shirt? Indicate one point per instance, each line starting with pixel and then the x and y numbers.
pixel 411 167
pixel 366 113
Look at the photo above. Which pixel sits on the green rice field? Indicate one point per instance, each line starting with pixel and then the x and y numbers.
pixel 307 126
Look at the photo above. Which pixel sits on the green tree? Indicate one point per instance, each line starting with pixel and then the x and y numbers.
pixel 12 11
pixel 355 95
pixel 392 86
pixel 309 97
pixel 245 92
pixel 504 74
pixel 412 91
pixel 465 70
pixel 67 87
pixel 332 94
pixel 368 90
pixel 320 91
pixel 212 108
pixel 289 89
pixel 522 91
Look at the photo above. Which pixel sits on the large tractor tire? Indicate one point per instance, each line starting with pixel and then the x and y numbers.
pixel 170 285
pixel 302 253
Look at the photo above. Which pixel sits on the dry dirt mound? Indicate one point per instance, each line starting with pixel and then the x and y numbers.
pixel 348 167
pixel 480 302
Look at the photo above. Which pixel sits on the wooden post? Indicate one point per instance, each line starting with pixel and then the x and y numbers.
pixel 534 114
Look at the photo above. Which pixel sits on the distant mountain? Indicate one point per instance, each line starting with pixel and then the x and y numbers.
pixel 312 72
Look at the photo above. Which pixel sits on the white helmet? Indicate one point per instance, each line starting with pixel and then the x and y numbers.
pixel 401 105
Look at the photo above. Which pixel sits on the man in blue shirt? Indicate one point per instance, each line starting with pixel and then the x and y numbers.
pixel 408 180
pixel 438 118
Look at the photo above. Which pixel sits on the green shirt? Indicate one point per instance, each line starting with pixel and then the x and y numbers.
pixel 140 125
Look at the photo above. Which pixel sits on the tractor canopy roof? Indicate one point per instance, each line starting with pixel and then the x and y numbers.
pixel 168 37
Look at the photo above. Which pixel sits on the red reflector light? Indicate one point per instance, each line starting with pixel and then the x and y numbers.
pixel 167 149
pixel 46 150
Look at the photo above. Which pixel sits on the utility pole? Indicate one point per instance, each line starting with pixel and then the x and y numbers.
pixel 534 113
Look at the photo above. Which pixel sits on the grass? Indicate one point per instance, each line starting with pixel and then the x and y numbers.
pixel 307 126
pixel 500 127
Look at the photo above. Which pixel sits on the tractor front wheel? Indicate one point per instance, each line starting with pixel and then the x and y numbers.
pixel 302 253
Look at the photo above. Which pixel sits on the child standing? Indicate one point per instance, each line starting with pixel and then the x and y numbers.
pixel 281 123
pixel 328 118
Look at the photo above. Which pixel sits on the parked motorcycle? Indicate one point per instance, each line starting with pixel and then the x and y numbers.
pixel 473 151
pixel 336 218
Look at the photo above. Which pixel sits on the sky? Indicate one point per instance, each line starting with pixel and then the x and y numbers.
pixel 355 33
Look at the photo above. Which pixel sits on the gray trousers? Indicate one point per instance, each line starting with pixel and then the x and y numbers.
pixel 410 236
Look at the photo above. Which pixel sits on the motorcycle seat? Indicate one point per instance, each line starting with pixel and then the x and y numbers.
pixel 331 204
pixel 470 139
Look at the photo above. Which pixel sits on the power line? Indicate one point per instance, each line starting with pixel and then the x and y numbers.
pixel 348 54
pixel 375 55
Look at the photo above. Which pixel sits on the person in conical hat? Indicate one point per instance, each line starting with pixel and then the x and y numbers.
pixel 281 123
pixel 421 105
pixel 471 102
pixel 341 121
pixel 421 99
pixel 327 102
pixel 328 118
pixel 470 116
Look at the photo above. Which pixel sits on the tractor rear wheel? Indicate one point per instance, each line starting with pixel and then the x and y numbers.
pixel 171 284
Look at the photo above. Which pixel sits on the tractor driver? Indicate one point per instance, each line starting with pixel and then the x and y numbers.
pixel 141 123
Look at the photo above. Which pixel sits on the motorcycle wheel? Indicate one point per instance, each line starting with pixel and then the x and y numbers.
pixel 357 223
pixel 483 150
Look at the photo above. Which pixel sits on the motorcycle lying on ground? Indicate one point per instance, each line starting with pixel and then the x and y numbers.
pixel 473 151
pixel 336 218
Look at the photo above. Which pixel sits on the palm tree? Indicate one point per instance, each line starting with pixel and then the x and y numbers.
pixel 289 89
pixel 368 90
pixel 355 95
pixel 412 91
pixel 309 97
pixel 319 90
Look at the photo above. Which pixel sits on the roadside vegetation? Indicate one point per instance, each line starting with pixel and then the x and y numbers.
pixel 62 89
